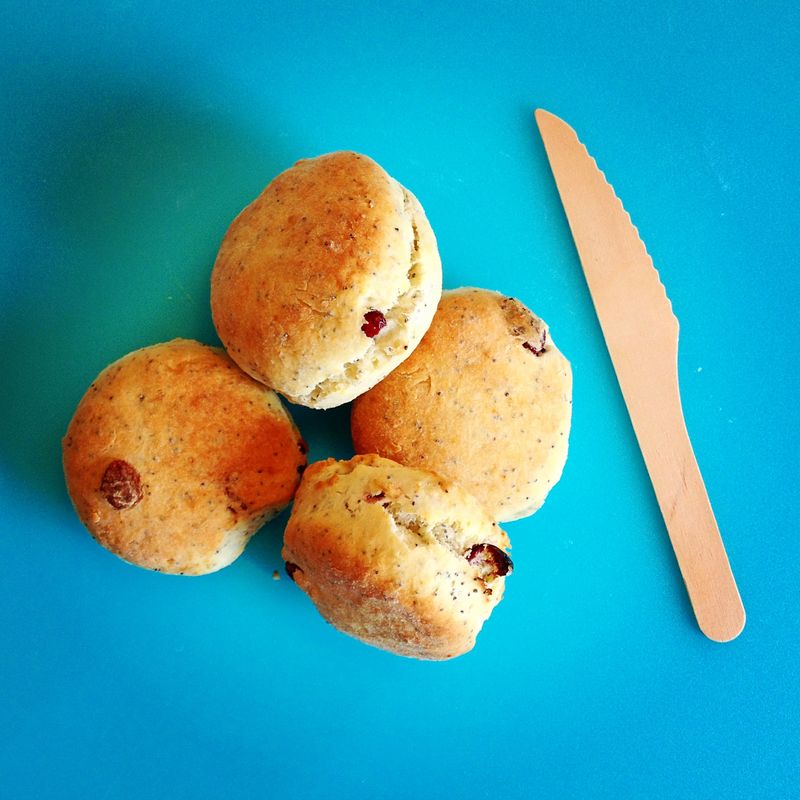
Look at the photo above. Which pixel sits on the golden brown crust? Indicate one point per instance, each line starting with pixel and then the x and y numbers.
pixel 174 458
pixel 382 551
pixel 327 241
pixel 485 400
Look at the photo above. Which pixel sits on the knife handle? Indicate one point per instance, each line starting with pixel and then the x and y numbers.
pixel 690 521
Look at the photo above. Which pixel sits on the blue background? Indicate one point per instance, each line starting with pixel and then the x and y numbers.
pixel 132 133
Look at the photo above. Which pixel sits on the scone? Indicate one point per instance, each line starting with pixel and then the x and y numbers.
pixel 327 281
pixel 485 400
pixel 174 458
pixel 399 558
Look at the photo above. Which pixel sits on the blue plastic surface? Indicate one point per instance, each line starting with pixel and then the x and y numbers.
pixel 132 133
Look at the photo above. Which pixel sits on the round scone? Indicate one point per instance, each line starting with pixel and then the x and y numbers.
pixel 327 281
pixel 485 400
pixel 397 557
pixel 174 458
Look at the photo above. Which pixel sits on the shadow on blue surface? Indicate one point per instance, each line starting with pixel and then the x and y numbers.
pixel 125 196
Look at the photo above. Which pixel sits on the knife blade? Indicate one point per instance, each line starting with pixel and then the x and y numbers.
pixel 641 334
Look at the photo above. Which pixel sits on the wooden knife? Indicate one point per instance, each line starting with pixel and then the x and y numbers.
pixel 641 333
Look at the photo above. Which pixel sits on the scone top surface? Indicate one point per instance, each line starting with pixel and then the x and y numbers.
pixel 329 241
pixel 174 457
pixel 398 557
pixel 484 400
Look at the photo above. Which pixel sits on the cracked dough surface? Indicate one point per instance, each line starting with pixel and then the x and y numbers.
pixel 485 400
pixel 381 551
pixel 327 241
pixel 199 457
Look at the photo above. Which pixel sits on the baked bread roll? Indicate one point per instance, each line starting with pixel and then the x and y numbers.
pixel 327 281
pixel 174 458
pixel 485 400
pixel 399 558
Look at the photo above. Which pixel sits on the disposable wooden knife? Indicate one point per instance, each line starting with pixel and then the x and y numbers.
pixel 641 333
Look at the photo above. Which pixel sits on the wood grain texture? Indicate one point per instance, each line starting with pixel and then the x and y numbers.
pixel 642 337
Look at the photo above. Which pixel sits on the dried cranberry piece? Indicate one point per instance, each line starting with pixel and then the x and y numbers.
pixel 375 322
pixel 537 351
pixel 121 485
pixel 291 569
pixel 490 560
